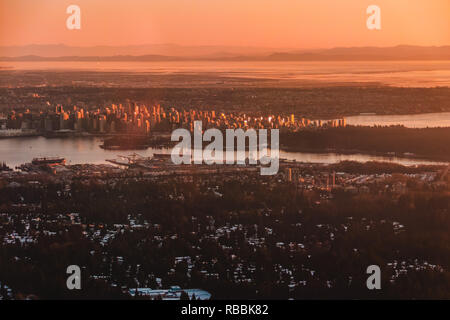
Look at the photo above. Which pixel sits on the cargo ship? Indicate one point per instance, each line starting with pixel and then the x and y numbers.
pixel 48 161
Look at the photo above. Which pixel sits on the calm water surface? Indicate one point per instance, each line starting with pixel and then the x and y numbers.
pixel 424 120
pixel 17 151
pixel 391 73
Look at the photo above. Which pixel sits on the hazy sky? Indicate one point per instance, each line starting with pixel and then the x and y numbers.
pixel 268 23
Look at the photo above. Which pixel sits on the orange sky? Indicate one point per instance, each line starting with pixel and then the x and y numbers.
pixel 268 23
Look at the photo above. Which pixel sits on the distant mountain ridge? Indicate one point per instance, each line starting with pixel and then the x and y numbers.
pixel 402 52
pixel 59 50
pixel 214 53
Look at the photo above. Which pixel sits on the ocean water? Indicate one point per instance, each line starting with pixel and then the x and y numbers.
pixel 391 73
pixel 17 151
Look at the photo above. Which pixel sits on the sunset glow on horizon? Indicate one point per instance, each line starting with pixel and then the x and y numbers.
pixel 264 23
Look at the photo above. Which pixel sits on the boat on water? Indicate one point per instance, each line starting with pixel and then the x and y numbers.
pixel 49 161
